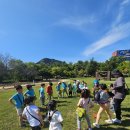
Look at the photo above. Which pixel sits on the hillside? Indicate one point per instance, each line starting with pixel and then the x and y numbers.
pixel 49 61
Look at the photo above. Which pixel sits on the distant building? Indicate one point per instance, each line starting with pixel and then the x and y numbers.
pixel 123 53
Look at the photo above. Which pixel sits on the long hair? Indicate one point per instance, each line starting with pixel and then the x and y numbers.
pixel 85 93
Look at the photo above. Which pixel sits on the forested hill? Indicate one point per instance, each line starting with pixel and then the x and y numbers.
pixel 49 61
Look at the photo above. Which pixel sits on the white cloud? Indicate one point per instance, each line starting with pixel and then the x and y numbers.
pixel 78 22
pixel 124 2
pixel 121 11
pixel 116 33
pixel 113 36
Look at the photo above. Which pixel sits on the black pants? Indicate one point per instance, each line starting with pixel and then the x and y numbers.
pixel 117 108
pixel 36 128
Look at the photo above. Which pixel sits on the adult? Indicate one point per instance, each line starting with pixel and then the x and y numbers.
pixel 119 91
pixel 32 114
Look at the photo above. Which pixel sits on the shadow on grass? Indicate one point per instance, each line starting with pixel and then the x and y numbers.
pixel 126 109
pixel 125 123
pixel 126 115
pixel 108 127
pixel 42 109
pixel 63 101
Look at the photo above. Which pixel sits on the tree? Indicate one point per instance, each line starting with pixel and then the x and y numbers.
pixel 44 71
pixel 2 71
pixel 31 71
pixel 17 69
pixel 92 67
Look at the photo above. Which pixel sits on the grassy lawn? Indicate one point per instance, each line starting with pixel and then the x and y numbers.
pixel 67 106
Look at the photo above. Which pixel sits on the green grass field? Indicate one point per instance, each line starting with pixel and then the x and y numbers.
pixel 67 106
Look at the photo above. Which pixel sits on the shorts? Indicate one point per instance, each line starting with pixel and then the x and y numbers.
pixel 19 111
pixel 59 92
pixel 36 128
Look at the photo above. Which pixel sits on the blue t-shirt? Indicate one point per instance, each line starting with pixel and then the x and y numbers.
pixel 58 87
pixel 64 86
pixel 30 93
pixel 41 92
pixel 19 100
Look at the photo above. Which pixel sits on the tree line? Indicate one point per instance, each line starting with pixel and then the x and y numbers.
pixel 13 70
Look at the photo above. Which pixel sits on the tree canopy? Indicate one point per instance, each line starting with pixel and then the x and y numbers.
pixel 16 70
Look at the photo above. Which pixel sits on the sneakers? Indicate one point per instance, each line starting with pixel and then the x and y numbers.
pixel 96 125
pixel 89 128
pixel 116 120
pixel 109 121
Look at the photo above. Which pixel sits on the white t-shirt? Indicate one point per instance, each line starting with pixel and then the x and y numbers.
pixel 55 123
pixel 33 111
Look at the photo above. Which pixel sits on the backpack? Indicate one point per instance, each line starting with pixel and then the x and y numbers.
pixel 97 96
pixel 50 116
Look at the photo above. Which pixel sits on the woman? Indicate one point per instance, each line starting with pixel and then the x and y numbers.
pixel 119 91
pixel 102 97
pixel 32 114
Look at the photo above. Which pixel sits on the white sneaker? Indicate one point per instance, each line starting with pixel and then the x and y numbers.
pixel 89 128
pixel 109 121
pixel 116 120
pixel 96 125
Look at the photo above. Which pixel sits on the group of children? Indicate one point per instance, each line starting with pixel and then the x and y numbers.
pixel 70 89
pixel 27 111
pixel 26 108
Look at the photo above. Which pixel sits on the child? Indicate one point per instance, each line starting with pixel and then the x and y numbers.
pixel 74 88
pixel 86 103
pixel 58 89
pixel 64 87
pixel 54 116
pixel 49 91
pixel 42 94
pixel 30 91
pixel 32 114
pixel 70 88
pixel 103 101
pixel 18 101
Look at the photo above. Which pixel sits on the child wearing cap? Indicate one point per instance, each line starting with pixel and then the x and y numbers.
pixel 18 101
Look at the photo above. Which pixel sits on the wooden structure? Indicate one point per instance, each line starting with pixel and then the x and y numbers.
pixel 103 74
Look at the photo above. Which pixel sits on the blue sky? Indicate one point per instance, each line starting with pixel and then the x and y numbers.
pixel 67 30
